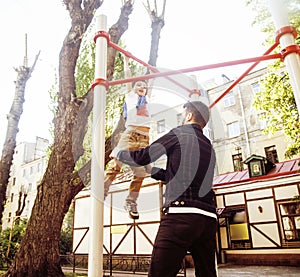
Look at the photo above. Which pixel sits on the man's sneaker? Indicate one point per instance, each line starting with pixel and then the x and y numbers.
pixel 131 208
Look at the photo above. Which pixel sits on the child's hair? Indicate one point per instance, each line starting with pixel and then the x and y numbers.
pixel 144 81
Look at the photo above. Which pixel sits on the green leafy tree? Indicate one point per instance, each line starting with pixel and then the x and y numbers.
pixel 38 254
pixel 276 97
pixel 10 239
pixel 66 233
pixel 264 19
pixel 277 100
pixel 65 243
pixel 84 76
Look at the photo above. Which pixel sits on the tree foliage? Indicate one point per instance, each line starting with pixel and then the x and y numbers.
pixel 10 239
pixel 277 100
pixel 84 77
pixel 264 19
pixel 276 97
pixel 38 254
pixel 66 233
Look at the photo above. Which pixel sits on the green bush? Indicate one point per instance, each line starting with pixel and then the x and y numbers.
pixel 9 242
pixel 9 246
pixel 65 243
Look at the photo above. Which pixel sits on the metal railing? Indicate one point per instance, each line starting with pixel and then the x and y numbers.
pixel 134 264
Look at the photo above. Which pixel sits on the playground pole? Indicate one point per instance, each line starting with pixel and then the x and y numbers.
pixel 95 260
pixel 292 60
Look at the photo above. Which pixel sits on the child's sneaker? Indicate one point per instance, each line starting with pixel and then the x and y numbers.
pixel 131 208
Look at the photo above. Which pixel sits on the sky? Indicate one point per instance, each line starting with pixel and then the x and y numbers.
pixel 196 33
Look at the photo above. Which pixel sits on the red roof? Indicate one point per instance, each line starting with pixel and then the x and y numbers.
pixel 284 168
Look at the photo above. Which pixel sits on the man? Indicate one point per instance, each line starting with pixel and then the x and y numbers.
pixel 189 216
pixel 135 136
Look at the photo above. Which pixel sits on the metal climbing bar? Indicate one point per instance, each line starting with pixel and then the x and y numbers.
pixel 152 68
pixel 241 77
pixel 156 73
pixel 289 49
pixel 197 68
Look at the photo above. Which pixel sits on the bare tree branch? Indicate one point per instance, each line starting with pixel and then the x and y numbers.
pixel 13 118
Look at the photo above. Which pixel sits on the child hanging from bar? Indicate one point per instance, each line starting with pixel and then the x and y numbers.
pixel 136 135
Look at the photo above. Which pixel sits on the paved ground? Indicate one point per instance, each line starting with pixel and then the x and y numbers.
pixel 245 271
pixel 228 270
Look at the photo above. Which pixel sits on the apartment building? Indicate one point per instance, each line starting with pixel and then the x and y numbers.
pixel 257 189
pixel 237 129
pixel 236 132
pixel 255 210
pixel 29 165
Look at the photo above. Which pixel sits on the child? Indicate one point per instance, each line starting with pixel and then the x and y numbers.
pixel 135 136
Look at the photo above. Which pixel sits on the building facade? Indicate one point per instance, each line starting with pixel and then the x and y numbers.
pixel 29 165
pixel 238 130
pixel 259 218
pixel 259 213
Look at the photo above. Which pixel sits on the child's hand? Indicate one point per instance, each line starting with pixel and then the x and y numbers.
pixel 114 153
pixel 148 168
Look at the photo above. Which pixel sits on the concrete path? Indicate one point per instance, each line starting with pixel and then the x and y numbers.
pixel 224 270
pixel 228 270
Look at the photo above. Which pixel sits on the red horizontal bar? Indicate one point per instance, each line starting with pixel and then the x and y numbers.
pixel 152 68
pixel 197 68
pixel 241 77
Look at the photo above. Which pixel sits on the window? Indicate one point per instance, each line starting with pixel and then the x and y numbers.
pixel 263 122
pixel 14 181
pixel 271 154
pixel 290 220
pixel 9 217
pixel 236 226
pixel 229 99
pixel 179 119
pixel 12 197
pixel 27 207
pixel 31 170
pixel 255 87
pixel 161 126
pixel 29 187
pixel 233 129
pixel 237 162
pixel 38 167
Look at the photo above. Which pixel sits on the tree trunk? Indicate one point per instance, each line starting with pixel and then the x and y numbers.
pixel 39 250
pixel 13 119
pixel 21 206
pixel 156 25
